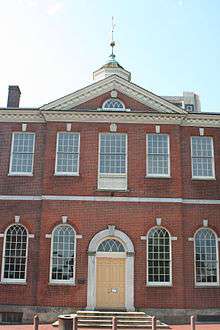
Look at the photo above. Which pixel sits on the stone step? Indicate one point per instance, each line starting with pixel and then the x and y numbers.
pixel 129 326
pixel 109 313
pixel 103 319
pixel 82 320
pixel 109 317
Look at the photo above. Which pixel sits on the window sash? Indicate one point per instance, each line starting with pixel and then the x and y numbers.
pixel 112 154
pixel 22 156
pixel 202 157
pixel 67 154
pixel 158 155
pixel 62 265
pixel 159 260
pixel 206 260
pixel 15 256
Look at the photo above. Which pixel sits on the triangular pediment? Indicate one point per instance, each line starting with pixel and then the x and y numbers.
pixel 151 101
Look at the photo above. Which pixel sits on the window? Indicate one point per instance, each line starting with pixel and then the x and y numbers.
pixel 206 257
pixel 22 153
pixel 67 158
pixel 202 157
pixel 113 104
pixel 158 158
pixel 111 245
pixel 15 254
pixel 159 257
pixel 112 154
pixel 63 247
pixel 11 317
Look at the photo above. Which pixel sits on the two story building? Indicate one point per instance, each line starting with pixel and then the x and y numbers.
pixel 109 199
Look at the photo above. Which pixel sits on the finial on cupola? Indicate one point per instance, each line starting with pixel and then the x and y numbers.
pixel 111 67
pixel 112 44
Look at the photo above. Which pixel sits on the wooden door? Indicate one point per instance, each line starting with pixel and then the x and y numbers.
pixel 110 282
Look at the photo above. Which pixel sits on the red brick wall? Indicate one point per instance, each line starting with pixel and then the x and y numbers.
pixel 132 218
pixel 88 218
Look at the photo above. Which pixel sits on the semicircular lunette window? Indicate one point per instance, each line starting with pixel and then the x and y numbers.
pixel 113 104
pixel 111 245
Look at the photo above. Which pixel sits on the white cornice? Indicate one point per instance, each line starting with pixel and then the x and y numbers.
pixel 113 82
pixel 105 117
pixel 85 116
pixel 78 198
pixel 21 116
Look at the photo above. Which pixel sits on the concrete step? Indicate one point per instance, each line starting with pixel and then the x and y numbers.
pixel 103 319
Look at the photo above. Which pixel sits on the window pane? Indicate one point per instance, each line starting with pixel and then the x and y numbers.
pixel 67 153
pixel 112 153
pixel 15 253
pixel 113 104
pixel 206 256
pixel 159 256
pixel 63 254
pixel 111 245
pixel 158 154
pixel 202 156
pixel 22 153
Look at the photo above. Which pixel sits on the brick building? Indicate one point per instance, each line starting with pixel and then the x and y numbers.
pixel 110 198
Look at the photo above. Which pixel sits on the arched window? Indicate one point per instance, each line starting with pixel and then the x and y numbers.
pixel 63 246
pixel 111 245
pixel 15 254
pixel 113 104
pixel 206 257
pixel 159 257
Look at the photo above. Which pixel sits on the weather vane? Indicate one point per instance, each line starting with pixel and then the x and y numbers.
pixel 112 44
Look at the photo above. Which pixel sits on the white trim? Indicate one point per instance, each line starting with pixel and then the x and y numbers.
pixel 13 281
pixel 203 284
pixel 2 235
pixel 170 259
pixel 152 175
pixel 39 116
pixel 129 280
pixel 31 236
pixel 10 173
pixel 109 199
pixel 24 127
pixel 56 173
pixel 48 236
pixel 194 177
pixel 106 85
pixel 73 281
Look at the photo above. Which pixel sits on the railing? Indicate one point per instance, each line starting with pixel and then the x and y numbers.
pixel 68 322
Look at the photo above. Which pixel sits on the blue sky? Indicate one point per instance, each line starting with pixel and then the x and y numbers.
pixel 51 47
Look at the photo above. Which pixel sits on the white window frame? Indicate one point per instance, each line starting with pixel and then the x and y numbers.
pixel 150 175
pixel 11 156
pixel 159 284
pixel 204 284
pixel 67 173
pixel 13 280
pixel 104 175
pixel 62 282
pixel 213 160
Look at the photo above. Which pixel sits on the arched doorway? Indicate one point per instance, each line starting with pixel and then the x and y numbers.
pixel 110 271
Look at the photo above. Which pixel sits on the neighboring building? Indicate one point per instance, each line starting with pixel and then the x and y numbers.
pixel 110 198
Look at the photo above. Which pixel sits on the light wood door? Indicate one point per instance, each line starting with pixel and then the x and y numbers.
pixel 110 282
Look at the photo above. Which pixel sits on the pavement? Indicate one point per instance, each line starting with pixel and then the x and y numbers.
pixel 172 327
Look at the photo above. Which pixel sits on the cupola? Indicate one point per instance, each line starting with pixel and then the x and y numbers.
pixel 111 67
